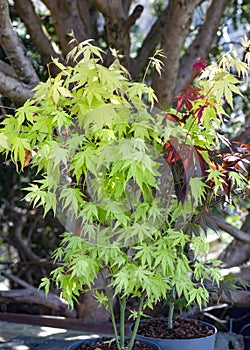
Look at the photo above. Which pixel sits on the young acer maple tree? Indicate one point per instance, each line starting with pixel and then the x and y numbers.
pixel 133 177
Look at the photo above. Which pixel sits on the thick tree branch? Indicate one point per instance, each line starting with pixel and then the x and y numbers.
pixel 32 295
pixel 14 48
pixel 202 43
pixel 14 89
pixel 243 134
pixel 178 22
pixel 240 298
pixel 102 6
pixel 241 271
pixel 237 252
pixel 32 21
pixel 88 15
pixel 7 69
pixel 133 17
pixel 126 6
pixel 117 27
pixel 67 22
pixel 149 43
pixel 232 230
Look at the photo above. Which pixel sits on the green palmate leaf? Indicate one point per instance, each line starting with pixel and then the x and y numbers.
pixel 83 161
pixel 200 246
pixel 19 147
pixel 145 254
pixel 221 84
pixel 57 154
pixel 27 112
pixel 90 211
pixel 71 198
pixel 45 283
pixel 61 120
pixel 100 117
pixel 217 177
pixel 85 269
pixel 198 189
pixel 238 180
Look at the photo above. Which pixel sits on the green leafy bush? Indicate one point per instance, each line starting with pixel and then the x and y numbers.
pixel 132 177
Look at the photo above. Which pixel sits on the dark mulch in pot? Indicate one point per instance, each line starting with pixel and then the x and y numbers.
pixel 182 329
pixel 105 344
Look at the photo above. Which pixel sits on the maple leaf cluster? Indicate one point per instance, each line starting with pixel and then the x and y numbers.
pixel 221 163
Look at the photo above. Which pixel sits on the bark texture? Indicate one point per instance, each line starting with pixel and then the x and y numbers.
pixel 178 21
pixel 238 252
pixel 202 43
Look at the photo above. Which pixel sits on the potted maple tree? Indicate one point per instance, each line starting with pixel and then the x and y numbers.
pixel 199 108
pixel 131 176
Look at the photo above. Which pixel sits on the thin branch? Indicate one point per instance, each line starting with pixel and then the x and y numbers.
pixel 14 48
pixel 36 30
pixel 232 230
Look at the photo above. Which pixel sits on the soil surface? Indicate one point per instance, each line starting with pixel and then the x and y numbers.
pixel 182 329
pixel 105 344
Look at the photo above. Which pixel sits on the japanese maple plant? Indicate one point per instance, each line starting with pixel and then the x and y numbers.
pixel 134 178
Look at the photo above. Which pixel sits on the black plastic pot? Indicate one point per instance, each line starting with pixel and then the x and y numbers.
pixel 206 343
pixel 94 340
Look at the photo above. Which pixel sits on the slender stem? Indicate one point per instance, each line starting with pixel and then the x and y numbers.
pixel 122 302
pixel 170 315
pixel 112 314
pixel 136 325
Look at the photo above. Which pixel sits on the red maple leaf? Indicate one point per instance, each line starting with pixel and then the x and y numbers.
pixel 190 93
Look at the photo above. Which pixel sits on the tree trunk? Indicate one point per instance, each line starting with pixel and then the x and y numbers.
pixel 178 21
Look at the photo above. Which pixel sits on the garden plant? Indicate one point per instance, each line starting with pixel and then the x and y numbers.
pixel 137 181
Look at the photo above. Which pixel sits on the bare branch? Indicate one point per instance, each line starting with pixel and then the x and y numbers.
pixel 31 294
pixel 14 89
pixel 133 17
pixel 32 21
pixel 240 298
pixel 202 43
pixel 14 48
pixel 232 230
pixel 237 252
